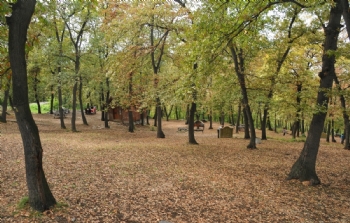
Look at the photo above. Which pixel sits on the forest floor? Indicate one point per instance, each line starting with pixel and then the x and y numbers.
pixel 111 175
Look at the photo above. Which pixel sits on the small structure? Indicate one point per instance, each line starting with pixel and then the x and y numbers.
pixel 225 132
pixel 257 140
pixel 198 126
pixel 122 115
pixel 56 114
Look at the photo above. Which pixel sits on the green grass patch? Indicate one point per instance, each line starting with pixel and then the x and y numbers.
pixel 23 203
pixel 60 205
pixel 45 107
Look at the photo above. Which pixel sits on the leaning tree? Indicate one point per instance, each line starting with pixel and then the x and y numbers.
pixel 304 168
pixel 40 196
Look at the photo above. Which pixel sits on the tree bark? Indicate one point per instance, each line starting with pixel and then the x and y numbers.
pixel 36 94
pixel 222 118
pixel 156 62
pixel 160 133
pixel 102 103
pixel 345 115
pixel 147 118
pixel 304 168
pixel 106 105
pixel 211 119
pixel 40 196
pixel 81 99
pixel 238 117
pixel 187 113
pixel 167 114
pixel 240 69
pixel 332 131
pixel 268 123
pixel 76 41
pixel 60 104
pixel 280 62
pixel 155 116
pixel 74 106
pixel 142 118
pixel 52 98
pixel 328 130
pixel 59 38
pixel 131 121
pixel 177 113
pixel 191 138
pixel 3 117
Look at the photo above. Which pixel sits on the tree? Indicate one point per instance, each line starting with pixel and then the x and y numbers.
pixel 76 17
pixel 238 59
pixel 281 57
pixel 40 196
pixel 304 167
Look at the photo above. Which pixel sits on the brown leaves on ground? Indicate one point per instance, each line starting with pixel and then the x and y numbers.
pixel 110 175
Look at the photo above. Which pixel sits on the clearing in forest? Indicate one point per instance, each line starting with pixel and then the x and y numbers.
pixel 110 175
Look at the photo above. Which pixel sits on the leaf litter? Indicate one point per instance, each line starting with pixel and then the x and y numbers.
pixel 111 175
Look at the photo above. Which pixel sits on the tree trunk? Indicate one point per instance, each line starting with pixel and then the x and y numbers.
pixel 268 122
pixel 102 103
pixel 155 116
pixel 295 128
pixel 40 196
pixel 81 99
pixel 52 99
pixel 60 104
pixel 74 106
pixel 176 113
pixel 302 125
pixel 232 116
pixel 147 118
pixel 187 113
pixel 332 131
pixel 275 128
pixel 191 138
pixel 304 168
pixel 222 118
pixel 238 117
pixel 167 114
pixel 131 121
pixel 263 124
pixel 160 133
pixel 280 62
pixel 142 118
pixel 345 115
pixel 107 105
pixel 36 95
pixel 246 125
pixel 240 69
pixel 328 130
pixel 4 102
pixel 211 119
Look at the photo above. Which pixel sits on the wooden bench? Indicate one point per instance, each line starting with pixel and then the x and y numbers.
pixel 199 125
